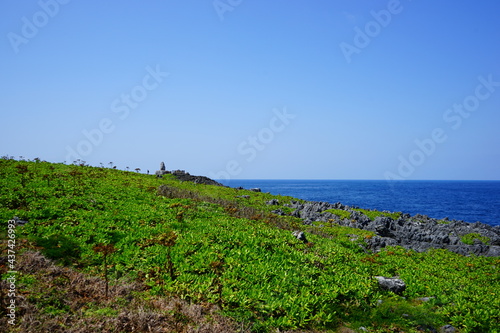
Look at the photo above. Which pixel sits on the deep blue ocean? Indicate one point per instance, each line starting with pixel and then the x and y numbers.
pixel 469 201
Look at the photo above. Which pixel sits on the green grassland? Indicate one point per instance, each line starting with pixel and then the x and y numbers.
pixel 208 245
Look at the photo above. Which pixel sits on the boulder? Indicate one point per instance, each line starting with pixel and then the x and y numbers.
pixel 300 236
pixel 162 166
pixel 19 222
pixel 273 202
pixel 494 251
pixel 256 189
pixel 393 284
pixel 447 329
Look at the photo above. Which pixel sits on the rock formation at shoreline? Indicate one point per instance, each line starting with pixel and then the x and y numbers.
pixel 186 177
pixel 418 232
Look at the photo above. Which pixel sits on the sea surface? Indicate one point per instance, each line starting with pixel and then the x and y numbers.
pixel 470 201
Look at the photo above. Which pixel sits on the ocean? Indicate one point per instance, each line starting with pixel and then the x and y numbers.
pixel 470 201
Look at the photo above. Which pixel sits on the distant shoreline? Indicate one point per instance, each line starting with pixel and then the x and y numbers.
pixel 468 200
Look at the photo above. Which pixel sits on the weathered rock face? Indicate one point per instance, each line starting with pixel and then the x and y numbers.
pixel 418 232
pixel 162 166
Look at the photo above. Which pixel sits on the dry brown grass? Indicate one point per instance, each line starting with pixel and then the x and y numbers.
pixel 81 295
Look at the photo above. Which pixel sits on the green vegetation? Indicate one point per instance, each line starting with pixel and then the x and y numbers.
pixel 470 238
pixel 373 214
pixel 345 235
pixel 154 240
pixel 342 214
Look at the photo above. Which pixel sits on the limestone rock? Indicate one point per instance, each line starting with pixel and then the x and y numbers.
pixel 447 329
pixel 19 222
pixel 393 284
pixel 300 236
pixel 418 232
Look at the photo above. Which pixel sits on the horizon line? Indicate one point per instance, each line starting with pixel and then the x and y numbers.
pixel 363 179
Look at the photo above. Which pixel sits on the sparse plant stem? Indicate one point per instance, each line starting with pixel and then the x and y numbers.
pixel 168 239
pixel 170 266
pixel 105 250
pixel 218 269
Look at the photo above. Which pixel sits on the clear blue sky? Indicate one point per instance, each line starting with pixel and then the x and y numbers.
pixel 256 89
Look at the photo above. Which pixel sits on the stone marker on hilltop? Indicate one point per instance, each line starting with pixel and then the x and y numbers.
pixel 162 171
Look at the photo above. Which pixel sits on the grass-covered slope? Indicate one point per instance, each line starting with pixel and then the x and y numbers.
pixel 210 247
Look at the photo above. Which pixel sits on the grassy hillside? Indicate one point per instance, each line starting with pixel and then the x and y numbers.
pixel 177 256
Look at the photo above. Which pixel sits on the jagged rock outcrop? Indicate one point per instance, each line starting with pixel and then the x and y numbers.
pixel 273 202
pixel 418 232
pixel 186 177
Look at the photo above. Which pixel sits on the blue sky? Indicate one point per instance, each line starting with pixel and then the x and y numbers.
pixel 256 89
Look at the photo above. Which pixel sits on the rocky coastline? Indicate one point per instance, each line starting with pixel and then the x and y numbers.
pixel 418 232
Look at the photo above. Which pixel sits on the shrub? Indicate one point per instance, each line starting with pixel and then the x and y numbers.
pixel 470 238
pixel 343 214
